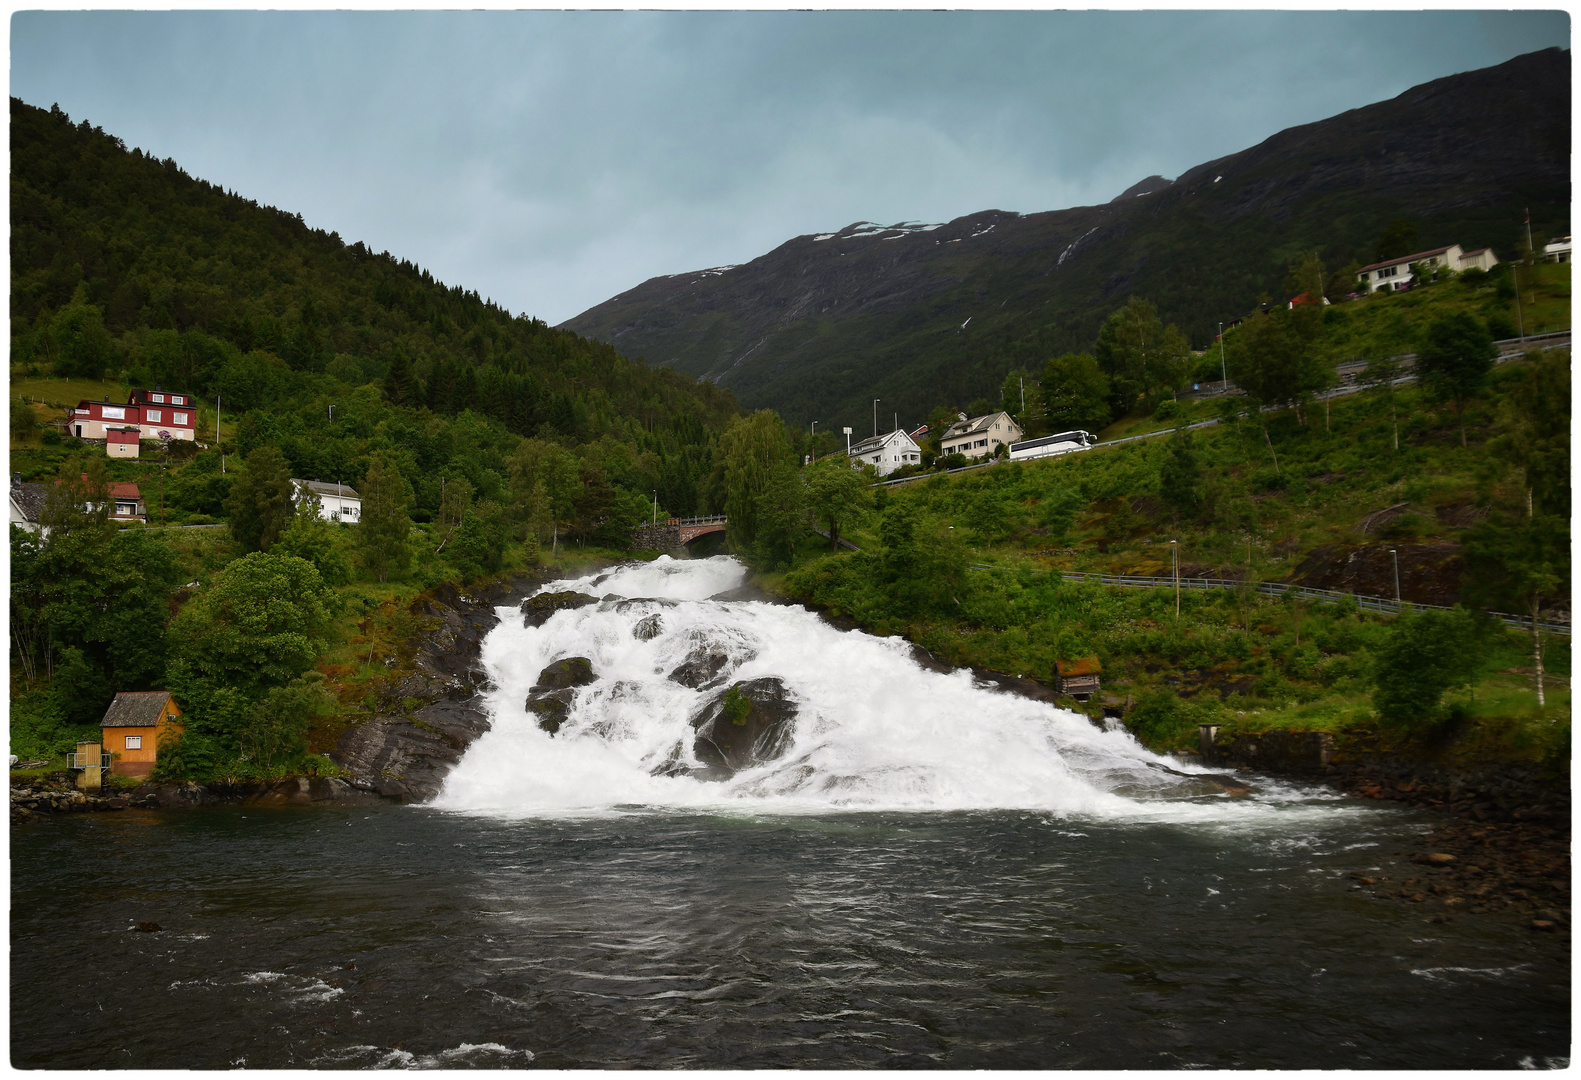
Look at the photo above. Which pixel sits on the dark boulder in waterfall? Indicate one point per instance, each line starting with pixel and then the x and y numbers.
pixel 745 725
pixel 701 670
pixel 538 609
pixel 648 628
pixel 550 698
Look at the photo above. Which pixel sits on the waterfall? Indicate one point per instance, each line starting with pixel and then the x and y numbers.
pixel 874 729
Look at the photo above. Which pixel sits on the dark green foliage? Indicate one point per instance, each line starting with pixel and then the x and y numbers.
pixel 1424 655
pixel 261 624
pixel 382 532
pixel 1142 358
pixel 23 422
pixel 838 496
pixel 1399 237
pixel 1533 430
pixel 260 500
pixel 478 548
pixel 1161 719
pixel 1180 476
pixel 736 706
pixel 1454 359
pixel 1075 394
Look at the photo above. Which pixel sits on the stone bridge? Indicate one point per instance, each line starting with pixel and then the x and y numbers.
pixel 677 532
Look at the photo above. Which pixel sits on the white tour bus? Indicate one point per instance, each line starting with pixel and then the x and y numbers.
pixel 1066 442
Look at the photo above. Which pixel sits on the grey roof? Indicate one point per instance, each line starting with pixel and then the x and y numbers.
pixel 135 709
pixel 874 442
pixel 29 499
pixel 318 487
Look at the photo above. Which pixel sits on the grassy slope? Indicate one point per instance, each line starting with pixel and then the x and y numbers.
pixel 1251 663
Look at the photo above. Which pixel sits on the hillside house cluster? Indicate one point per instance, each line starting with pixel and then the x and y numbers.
pixel 149 414
pixel 1391 275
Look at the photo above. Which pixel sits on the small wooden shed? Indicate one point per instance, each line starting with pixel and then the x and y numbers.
pixel 133 726
pixel 1079 678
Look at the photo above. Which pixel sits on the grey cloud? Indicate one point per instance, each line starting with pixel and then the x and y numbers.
pixel 553 159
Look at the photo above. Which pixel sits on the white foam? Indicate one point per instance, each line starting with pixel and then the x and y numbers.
pixel 875 730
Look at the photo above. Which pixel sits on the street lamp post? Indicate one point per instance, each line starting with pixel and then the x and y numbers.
pixel 1396 556
pixel 1224 375
pixel 1174 559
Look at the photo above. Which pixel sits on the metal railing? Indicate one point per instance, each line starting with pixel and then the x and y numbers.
pixel 713 519
pixel 1379 604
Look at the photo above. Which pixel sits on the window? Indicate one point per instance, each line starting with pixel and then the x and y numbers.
pixel 152 415
pixel 1388 271
pixel 134 742
pixel 114 412
pixel 178 418
pixel 160 398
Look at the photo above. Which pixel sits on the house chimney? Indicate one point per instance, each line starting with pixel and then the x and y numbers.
pixel 961 416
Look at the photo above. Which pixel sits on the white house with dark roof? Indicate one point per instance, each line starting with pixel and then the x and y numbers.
pixel 979 436
pixel 336 502
pixel 1394 274
pixel 27 502
pixel 888 452
pixel 1557 250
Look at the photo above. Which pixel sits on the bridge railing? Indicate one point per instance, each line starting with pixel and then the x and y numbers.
pixel 713 519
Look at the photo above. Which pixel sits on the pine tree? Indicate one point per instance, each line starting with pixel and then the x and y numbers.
pixel 382 535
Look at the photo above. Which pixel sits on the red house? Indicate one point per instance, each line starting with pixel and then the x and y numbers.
pixel 154 413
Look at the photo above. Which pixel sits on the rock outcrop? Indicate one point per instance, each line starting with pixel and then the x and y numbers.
pixel 551 697
pixel 428 712
pixel 538 609
pixel 701 670
pixel 745 725
pixel 648 628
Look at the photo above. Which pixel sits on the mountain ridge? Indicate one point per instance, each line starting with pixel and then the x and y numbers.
pixel 824 322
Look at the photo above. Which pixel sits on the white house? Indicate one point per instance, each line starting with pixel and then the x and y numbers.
pixel 888 452
pixel 1557 250
pixel 979 436
pixel 336 502
pixel 27 501
pixel 1393 274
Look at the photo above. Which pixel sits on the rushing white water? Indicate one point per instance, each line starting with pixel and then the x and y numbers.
pixel 875 729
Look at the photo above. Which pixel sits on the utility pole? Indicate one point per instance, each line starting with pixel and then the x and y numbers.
pixel 847 442
pixel 1023 396
pixel 1396 555
pixel 217 433
pixel 1224 375
pixel 875 416
pixel 655 507
pixel 1174 558
pixel 332 413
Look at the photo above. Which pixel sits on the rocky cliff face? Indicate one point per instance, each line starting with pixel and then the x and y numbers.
pixel 405 750
pixel 920 315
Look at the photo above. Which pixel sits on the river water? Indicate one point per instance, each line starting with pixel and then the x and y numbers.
pixel 934 874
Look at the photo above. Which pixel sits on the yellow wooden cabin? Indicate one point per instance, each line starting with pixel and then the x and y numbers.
pixel 133 726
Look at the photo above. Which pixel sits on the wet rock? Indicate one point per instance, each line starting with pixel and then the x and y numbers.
pixel 1544 924
pixel 701 671
pixel 1439 858
pixel 648 628
pixel 551 697
pixel 745 725
pixel 148 928
pixel 538 609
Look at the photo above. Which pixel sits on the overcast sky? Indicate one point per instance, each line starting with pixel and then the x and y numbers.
pixel 552 160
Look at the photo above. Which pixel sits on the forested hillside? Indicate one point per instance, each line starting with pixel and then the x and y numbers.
pixel 480 442
pixel 929 316
pixel 122 263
